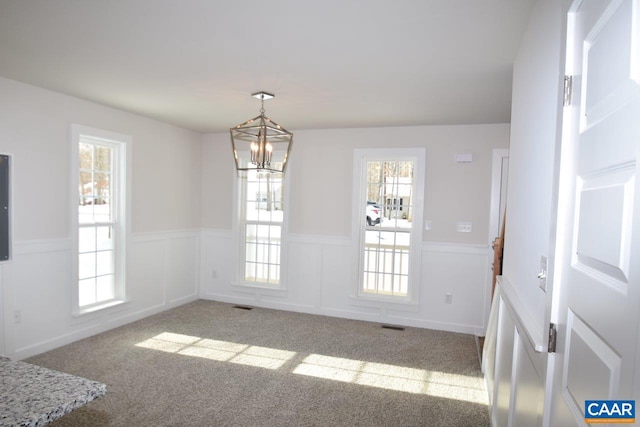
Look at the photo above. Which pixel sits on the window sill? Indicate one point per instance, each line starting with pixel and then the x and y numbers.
pixel 258 289
pixel 94 309
pixel 389 303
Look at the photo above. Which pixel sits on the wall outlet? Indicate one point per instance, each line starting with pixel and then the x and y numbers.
pixel 448 298
pixel 17 316
pixel 464 227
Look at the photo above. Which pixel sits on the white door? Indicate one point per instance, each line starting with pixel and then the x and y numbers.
pixel 597 277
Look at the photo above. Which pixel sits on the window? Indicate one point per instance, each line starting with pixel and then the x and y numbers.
pixel 390 194
pixel 100 218
pixel 261 227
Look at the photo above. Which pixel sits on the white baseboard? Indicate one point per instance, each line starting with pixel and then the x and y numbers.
pixel 374 317
pixel 50 344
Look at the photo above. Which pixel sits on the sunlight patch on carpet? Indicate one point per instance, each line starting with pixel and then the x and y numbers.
pixel 391 377
pixel 222 351
pixel 379 375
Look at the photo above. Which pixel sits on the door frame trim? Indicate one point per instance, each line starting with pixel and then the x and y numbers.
pixel 499 154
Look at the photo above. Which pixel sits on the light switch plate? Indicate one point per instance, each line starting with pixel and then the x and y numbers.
pixel 427 225
pixel 464 158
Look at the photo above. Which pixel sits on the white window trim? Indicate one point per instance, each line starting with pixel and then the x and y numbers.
pixel 238 242
pixel 123 199
pixel 360 157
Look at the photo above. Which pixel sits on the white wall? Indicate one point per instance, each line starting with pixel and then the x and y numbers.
pixel 535 122
pixel 321 251
pixel 162 254
pixel 516 364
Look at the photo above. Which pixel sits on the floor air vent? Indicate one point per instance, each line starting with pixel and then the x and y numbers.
pixel 243 307
pixel 395 328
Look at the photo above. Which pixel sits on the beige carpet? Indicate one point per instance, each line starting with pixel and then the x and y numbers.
pixel 210 364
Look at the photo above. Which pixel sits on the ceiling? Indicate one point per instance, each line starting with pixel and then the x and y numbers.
pixel 330 63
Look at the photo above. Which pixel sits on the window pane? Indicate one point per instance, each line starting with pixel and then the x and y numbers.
pixel 403 240
pixel 250 252
pixel 85 154
pixel 274 233
pixel 85 212
pixel 263 214
pixel 277 216
pixel 251 211
pixel 252 232
pixel 101 185
pixel 85 182
pixel 261 253
pixel 86 239
pixel 274 254
pixel 102 210
pixel 401 285
pixel 264 197
pixel 250 271
pixel 260 274
pixel 262 233
pixel 369 282
pixel 86 265
pixel 102 158
pixel 105 288
pixel 87 291
pixel 274 274
pixel 104 261
pixel 104 238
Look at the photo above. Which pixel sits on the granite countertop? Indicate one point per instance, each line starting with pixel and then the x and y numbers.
pixel 31 395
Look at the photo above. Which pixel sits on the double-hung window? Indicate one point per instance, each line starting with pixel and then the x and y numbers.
pixel 388 214
pixel 99 223
pixel 261 223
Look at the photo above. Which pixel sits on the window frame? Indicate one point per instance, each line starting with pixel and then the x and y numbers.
pixel 359 201
pixel 239 238
pixel 121 173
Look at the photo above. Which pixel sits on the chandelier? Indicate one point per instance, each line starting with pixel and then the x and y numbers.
pixel 260 143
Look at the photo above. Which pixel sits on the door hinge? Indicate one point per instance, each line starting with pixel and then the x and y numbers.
pixel 553 335
pixel 568 86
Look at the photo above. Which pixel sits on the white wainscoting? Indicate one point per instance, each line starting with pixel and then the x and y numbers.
pixel 162 272
pixel 514 365
pixel 321 273
pixel 168 269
